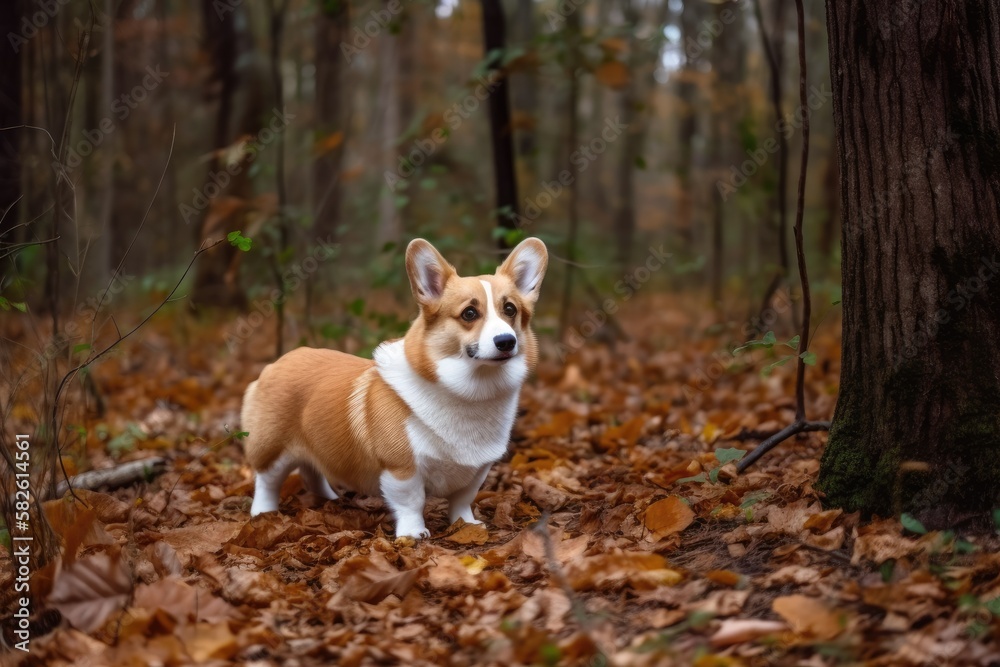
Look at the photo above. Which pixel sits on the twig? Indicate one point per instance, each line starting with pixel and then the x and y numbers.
pixel 122 475
pixel 121 263
pixel 751 434
pixel 54 419
pixel 800 401
pixel 774 56
pixel 792 429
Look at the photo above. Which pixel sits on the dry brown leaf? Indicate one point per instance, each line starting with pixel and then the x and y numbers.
pixel 668 516
pixel 808 616
pixel 208 641
pixel 470 533
pixel 89 590
pixel 183 602
pixel 545 496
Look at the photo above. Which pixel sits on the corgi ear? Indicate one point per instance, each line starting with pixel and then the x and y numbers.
pixel 526 267
pixel 428 272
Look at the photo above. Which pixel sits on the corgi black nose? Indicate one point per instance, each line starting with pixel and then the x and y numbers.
pixel 505 342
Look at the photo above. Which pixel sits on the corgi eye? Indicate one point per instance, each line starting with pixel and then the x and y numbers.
pixel 510 310
pixel 470 314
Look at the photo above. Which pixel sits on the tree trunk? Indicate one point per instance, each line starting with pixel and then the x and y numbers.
pixel 389 229
pixel 240 82
pixel 916 95
pixel 501 130
pixel 10 116
pixel 332 113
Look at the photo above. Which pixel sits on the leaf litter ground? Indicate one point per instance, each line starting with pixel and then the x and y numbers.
pixel 617 532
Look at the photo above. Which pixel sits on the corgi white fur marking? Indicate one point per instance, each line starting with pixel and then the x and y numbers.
pixel 428 416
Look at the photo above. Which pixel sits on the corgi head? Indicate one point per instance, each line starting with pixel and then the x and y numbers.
pixel 474 327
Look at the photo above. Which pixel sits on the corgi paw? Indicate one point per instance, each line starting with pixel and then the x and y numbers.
pixel 412 529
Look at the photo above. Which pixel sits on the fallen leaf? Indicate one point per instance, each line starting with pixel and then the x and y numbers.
pixel 668 516
pixel 808 616
pixel 740 630
pixel 87 591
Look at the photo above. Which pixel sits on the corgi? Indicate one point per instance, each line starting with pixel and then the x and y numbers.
pixel 428 415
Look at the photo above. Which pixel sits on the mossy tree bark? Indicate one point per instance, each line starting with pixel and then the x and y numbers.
pixel 916 92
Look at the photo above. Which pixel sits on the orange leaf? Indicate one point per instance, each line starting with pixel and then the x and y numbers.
pixel 613 74
pixel 668 516
pixel 723 577
pixel 329 143
pixel 808 616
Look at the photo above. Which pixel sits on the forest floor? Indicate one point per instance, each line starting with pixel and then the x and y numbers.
pixel 614 534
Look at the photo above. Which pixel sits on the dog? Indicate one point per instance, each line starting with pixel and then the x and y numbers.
pixel 428 415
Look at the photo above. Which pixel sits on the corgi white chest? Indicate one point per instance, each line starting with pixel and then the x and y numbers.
pixel 460 423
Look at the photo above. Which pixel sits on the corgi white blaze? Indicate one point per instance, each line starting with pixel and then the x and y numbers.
pixel 493 326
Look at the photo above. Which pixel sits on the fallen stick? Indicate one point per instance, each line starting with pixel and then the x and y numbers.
pixel 121 475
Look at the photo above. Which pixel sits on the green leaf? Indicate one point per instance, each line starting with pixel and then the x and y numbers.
pixel 769 338
pixel 753 498
pixel 356 307
pixel 836 303
pixel 4 303
pixel 996 519
pixel 767 370
pixel 5 540
pixel 640 162
pixel 911 524
pixel 793 343
pixel 20 305
pixel 993 606
pixel 808 358
pixel 239 435
pixel 82 347
pixel 886 569
pixel 700 478
pixel 729 454
pixel 237 240
pixel 965 547
pixel 713 474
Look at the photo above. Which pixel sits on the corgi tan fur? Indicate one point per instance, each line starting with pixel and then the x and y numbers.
pixel 427 416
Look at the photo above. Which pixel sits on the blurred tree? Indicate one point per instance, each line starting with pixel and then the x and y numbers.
pixel 240 83
pixel 917 424
pixel 389 229
pixel 501 128
pixel 10 117
pixel 687 124
pixel 332 114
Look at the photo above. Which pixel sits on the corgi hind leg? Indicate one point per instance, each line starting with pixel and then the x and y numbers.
pixel 267 485
pixel 316 483
pixel 460 502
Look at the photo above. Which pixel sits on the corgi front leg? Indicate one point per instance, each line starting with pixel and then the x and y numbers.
pixel 460 502
pixel 405 497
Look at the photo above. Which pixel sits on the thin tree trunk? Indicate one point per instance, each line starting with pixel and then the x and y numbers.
pixel 501 130
pixel 389 229
pixel 917 424
pixel 332 113
pixel 10 116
